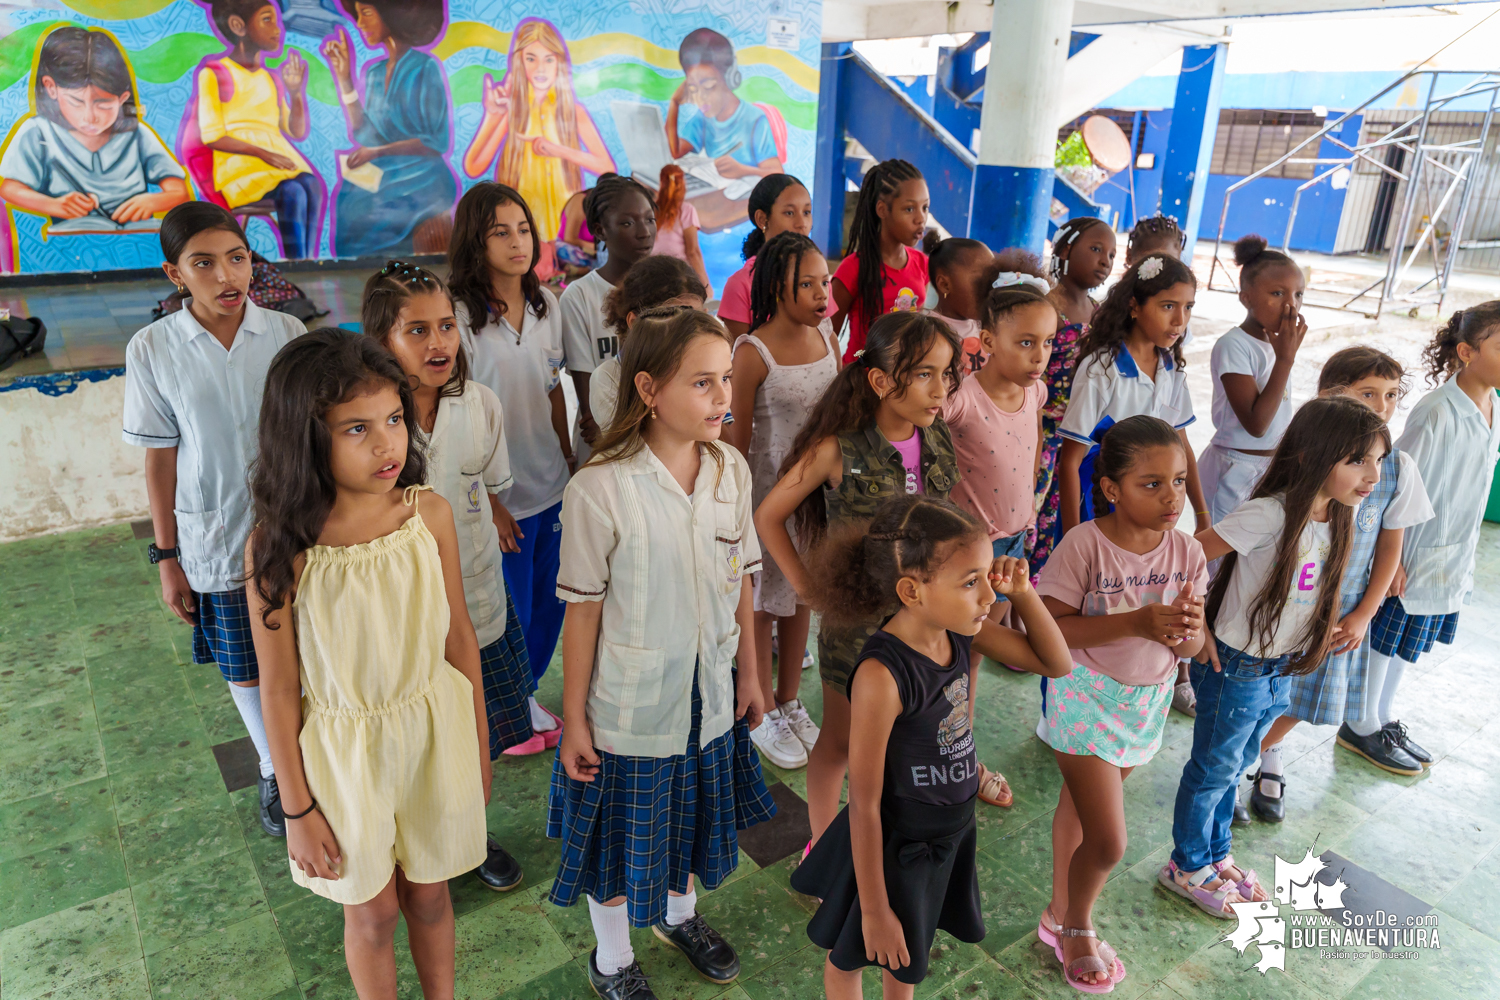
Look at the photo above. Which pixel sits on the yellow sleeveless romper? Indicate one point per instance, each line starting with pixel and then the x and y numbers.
pixel 388 734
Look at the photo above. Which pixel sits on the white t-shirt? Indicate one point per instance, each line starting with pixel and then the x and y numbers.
pixel 522 369
pixel 604 391
pixel 1238 353
pixel 587 341
pixel 1105 392
pixel 1253 530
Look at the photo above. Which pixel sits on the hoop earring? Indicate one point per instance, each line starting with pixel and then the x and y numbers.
pixel 181 290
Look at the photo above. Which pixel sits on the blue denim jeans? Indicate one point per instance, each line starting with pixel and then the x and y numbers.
pixel 1235 709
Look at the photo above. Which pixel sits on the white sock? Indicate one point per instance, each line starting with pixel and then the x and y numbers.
pixel 612 932
pixel 541 722
pixel 247 700
pixel 1388 689
pixel 1270 763
pixel 1374 684
pixel 681 908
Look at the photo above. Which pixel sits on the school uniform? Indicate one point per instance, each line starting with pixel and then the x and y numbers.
pixel 1107 390
pixel 678 773
pixel 183 390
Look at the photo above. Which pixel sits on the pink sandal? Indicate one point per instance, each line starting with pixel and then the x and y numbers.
pixel 1048 936
pixel 1085 964
pixel 1247 885
pixel 1214 902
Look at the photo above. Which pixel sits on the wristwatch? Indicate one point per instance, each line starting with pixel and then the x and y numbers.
pixel 156 555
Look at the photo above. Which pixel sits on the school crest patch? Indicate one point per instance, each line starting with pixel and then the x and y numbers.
pixel 474 492
pixel 1367 517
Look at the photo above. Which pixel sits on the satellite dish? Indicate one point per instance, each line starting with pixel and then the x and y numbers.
pixel 1108 145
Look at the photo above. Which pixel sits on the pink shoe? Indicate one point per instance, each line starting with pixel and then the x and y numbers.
pixel 534 745
pixel 551 737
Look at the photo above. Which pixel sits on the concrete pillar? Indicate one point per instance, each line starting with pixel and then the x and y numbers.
pixel 828 183
pixel 1190 140
pixel 1018 127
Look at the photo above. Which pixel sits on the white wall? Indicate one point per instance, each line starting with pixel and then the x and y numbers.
pixel 62 463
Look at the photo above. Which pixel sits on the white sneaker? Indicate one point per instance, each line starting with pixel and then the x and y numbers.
pixel 774 738
pixel 807 659
pixel 799 722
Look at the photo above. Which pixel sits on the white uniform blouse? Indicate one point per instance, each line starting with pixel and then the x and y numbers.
pixel 668 568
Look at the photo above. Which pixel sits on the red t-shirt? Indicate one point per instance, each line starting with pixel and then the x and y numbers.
pixel 905 289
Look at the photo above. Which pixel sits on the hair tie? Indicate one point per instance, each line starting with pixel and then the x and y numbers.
pixel 859 356
pixel 1150 267
pixel 886 536
pixel 1011 279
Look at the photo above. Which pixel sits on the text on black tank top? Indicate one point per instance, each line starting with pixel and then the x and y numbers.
pixel 930 755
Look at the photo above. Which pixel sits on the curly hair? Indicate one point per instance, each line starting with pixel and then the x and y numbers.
pixel 781 255
pixel 291 482
pixel 1112 320
pixel 997 303
pixel 650 282
pixel 854 568
pixel 1472 326
pixel 386 292
pixel 413 24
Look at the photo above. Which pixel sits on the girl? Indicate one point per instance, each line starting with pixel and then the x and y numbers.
pixel 735 134
pixel 1453 436
pixel 1126 590
pixel 534 121
pixel 1251 366
pixel 656 770
pixel 242 116
pixel 780 372
pixel 622 214
pixel 193 385
pixel 85 151
pixel 575 243
pixel 374 700
pixel 1083 254
pixel 778 204
pixel 1272 608
pixel 677 222
pixel 875 433
pixel 956 266
pixel 883 270
pixel 513 336
pixel 402 127
pixel 1154 234
pixel 1129 363
pixel 657 280
pixel 407 309
pixel 1334 693
pixel 913 776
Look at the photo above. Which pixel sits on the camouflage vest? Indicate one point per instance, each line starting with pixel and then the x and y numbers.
pixel 873 472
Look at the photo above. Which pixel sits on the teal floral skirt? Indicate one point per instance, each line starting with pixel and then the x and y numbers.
pixel 1088 712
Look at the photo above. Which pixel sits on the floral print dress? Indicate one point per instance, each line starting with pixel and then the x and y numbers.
pixel 1060 369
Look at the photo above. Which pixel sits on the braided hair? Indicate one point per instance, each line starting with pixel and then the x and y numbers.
pixel 763 199
pixel 768 284
pixel 387 292
pixel 1472 326
pixel 1155 232
pixel 603 196
pixel 1068 234
pixel 881 183
pixel 856 566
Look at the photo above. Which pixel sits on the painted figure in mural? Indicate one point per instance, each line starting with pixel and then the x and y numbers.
pixel 397 190
pixel 84 158
pixel 248 123
pixel 740 137
pixel 544 136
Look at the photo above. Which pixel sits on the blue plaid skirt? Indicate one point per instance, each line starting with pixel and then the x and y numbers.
pixel 1409 636
pixel 644 824
pixel 222 635
pixel 506 671
pixel 1334 693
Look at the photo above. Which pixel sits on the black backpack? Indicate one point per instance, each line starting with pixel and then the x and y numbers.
pixel 21 338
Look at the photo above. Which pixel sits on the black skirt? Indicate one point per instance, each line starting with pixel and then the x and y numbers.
pixel 930 879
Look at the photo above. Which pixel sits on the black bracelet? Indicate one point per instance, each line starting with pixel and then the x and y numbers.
pixel 303 813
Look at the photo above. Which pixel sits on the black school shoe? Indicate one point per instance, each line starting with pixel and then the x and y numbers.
pixel 1241 815
pixel 1381 749
pixel 1398 732
pixel 1269 809
pixel 627 984
pixel 500 871
pixel 710 954
pixel 272 820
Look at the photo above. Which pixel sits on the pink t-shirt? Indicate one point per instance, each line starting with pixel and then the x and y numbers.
pixel 669 238
pixel 734 302
pixel 971 355
pixel 911 457
pixel 996 456
pixel 904 290
pixel 1089 572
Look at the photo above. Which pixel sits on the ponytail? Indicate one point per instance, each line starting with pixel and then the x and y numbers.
pixel 1472 326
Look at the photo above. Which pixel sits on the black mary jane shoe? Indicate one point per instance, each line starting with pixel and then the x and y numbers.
pixel 272 820
pixel 1398 735
pixel 1269 809
pixel 1379 748
pixel 712 956
pixel 627 984
pixel 500 871
pixel 1241 815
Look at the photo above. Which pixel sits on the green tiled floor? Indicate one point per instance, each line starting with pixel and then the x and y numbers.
pixel 127 871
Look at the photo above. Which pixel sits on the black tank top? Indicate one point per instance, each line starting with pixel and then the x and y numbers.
pixel 930 756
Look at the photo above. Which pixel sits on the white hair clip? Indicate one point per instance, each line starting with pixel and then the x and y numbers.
pixel 1005 279
pixel 1149 268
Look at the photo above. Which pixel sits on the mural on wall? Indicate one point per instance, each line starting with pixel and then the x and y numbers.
pixel 350 127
